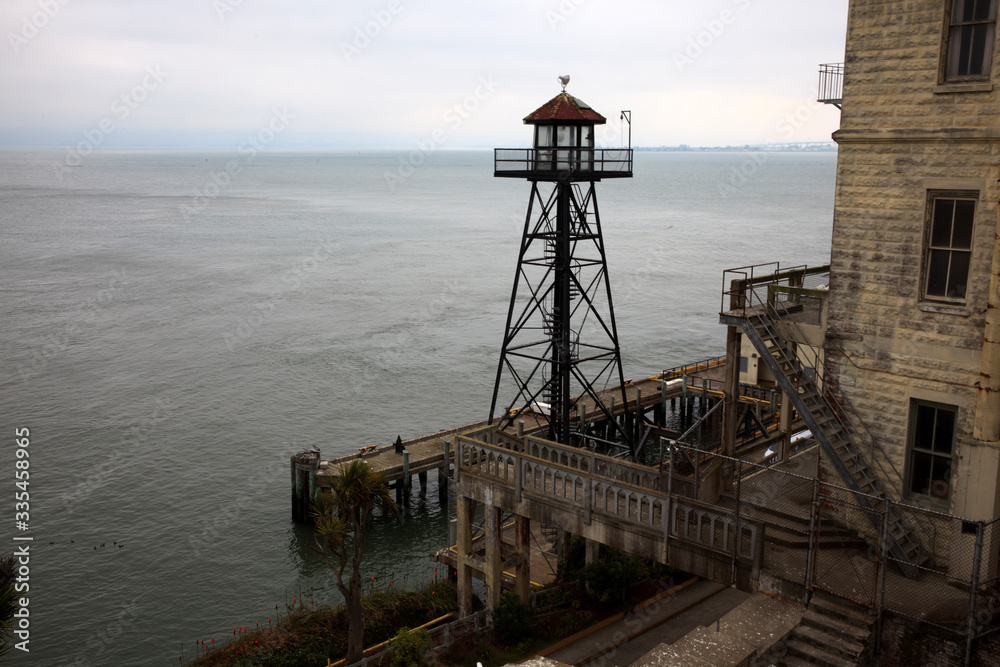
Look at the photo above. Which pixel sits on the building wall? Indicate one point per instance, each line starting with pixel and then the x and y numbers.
pixel 893 78
pixel 904 133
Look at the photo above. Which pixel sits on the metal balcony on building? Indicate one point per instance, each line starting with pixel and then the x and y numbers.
pixel 831 84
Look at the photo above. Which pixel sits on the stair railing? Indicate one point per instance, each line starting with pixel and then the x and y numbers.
pixel 847 417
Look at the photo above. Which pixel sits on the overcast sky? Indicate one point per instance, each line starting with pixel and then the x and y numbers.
pixel 392 73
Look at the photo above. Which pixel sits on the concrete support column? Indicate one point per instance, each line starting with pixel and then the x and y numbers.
pixel 592 554
pixel 731 390
pixel 522 587
pixel 304 467
pixel 785 425
pixel 562 546
pixel 493 561
pixel 404 484
pixel 442 486
pixel 463 549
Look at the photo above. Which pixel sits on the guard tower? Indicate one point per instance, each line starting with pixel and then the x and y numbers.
pixel 560 347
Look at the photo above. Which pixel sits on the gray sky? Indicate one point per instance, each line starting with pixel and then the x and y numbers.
pixel 394 73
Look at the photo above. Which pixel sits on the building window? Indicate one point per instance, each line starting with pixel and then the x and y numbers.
pixel 949 246
pixel 971 33
pixel 932 441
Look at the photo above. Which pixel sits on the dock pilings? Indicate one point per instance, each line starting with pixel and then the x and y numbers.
pixel 304 467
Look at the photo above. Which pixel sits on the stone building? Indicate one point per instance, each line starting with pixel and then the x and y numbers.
pixel 913 329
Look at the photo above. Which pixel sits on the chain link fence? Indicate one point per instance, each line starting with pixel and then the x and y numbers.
pixel 825 536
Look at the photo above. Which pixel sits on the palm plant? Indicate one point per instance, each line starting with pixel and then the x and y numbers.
pixel 8 603
pixel 342 516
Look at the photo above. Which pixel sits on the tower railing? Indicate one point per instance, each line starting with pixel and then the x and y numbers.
pixel 577 160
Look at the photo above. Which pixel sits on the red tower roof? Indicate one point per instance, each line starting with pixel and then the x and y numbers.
pixel 565 107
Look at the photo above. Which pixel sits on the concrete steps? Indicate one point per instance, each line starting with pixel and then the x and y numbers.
pixel 791 530
pixel 832 632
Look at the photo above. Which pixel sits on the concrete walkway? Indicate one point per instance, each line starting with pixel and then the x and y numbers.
pixel 665 621
pixel 752 629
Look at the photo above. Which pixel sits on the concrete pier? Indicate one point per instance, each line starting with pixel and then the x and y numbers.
pixel 304 467
pixel 435 451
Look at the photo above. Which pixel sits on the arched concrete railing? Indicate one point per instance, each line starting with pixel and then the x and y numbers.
pixel 581 479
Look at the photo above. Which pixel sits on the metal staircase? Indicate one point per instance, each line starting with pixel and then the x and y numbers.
pixel 859 460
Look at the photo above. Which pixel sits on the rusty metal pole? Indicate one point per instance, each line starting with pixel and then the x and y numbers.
pixel 736 531
pixel 813 526
pixel 663 401
pixel 882 565
pixel 977 561
pixel 638 415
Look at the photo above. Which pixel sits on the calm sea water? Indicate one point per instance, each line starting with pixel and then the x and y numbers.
pixel 171 335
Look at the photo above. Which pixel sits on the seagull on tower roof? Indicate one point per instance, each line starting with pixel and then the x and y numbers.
pixel 564 80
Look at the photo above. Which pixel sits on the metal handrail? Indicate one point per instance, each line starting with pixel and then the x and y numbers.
pixel 686 369
pixel 559 158
pixel 846 416
pixel 841 404
pixel 754 276
pixel 744 292
pixel 831 83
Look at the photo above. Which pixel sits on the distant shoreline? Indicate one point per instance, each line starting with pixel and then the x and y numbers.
pixel 804 147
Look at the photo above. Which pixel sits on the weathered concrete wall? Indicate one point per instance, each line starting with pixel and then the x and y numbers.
pixel 905 133
pixel 892 74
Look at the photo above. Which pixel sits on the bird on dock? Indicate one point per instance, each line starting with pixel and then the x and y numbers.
pixel 398 445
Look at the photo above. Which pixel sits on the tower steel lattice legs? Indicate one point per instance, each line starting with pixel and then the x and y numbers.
pixel 560 344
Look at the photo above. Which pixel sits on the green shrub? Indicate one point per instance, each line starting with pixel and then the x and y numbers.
pixel 512 620
pixel 571 566
pixel 613 574
pixel 410 647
